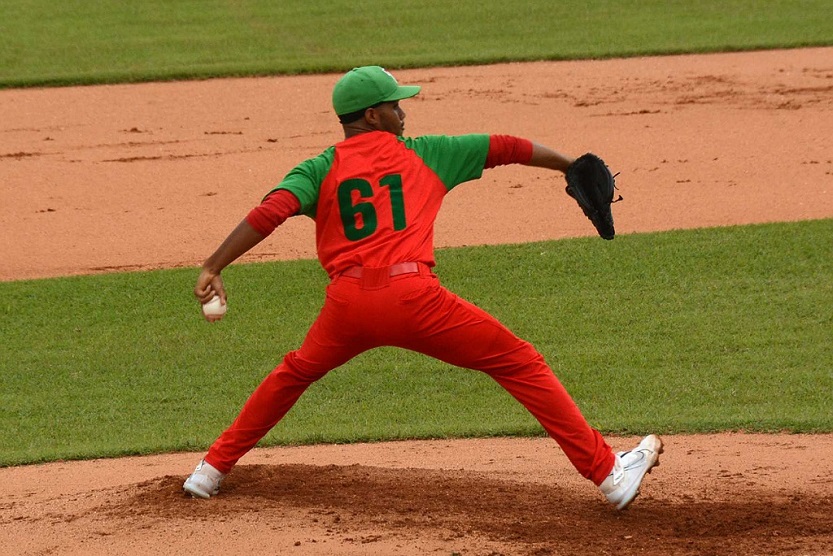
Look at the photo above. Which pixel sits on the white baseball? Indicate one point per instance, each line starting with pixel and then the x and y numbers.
pixel 214 308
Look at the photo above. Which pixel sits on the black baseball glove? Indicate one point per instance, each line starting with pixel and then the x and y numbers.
pixel 591 184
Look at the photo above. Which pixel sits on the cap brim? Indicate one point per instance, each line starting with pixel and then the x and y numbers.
pixel 403 92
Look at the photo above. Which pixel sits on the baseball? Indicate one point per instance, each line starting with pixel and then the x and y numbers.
pixel 214 308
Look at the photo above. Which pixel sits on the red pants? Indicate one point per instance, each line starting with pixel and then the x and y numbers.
pixel 413 311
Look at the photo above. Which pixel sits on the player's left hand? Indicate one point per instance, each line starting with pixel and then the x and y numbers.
pixel 591 184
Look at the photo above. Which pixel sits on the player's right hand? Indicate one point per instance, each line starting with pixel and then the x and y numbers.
pixel 208 285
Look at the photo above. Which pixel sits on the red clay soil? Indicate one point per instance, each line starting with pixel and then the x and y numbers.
pixel 134 177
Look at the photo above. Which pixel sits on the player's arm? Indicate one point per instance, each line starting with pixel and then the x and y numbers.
pixel 507 149
pixel 239 241
pixel 545 157
pixel 259 223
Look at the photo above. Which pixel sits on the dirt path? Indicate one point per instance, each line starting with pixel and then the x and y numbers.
pixel 107 178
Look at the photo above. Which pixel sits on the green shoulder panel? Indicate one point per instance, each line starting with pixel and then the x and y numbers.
pixel 304 181
pixel 455 159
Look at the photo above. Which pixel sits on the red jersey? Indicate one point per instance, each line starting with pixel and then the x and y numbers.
pixel 375 196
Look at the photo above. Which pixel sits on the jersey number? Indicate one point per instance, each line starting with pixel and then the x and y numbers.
pixel 364 210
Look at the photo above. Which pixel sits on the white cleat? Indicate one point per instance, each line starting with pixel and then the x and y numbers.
pixel 622 485
pixel 204 482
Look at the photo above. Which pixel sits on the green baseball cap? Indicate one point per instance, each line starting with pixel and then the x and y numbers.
pixel 368 85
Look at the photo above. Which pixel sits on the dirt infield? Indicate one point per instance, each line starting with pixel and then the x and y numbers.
pixel 96 179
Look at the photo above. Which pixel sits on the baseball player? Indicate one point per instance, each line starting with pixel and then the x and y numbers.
pixel 374 197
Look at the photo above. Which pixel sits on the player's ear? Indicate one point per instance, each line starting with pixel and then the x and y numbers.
pixel 371 116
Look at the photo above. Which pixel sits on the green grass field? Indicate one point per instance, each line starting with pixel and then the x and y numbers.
pixel 695 331
pixel 80 41
pixel 705 330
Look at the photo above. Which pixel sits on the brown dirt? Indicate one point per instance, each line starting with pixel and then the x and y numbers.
pixel 96 179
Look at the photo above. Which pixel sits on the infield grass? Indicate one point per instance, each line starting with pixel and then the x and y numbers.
pixel 82 42
pixel 688 331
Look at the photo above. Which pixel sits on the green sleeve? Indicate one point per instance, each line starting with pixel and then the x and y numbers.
pixel 304 181
pixel 455 159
